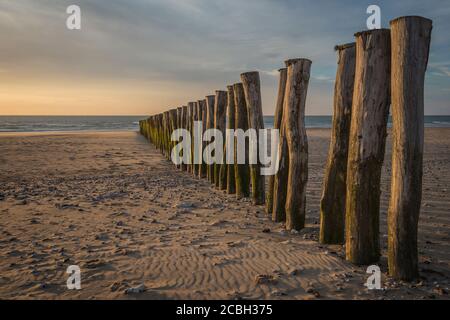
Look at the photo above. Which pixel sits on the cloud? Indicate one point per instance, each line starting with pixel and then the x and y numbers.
pixel 440 69
pixel 202 44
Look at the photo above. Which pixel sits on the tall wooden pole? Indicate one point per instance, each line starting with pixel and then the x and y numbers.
pixel 219 124
pixel 178 126
pixel 276 125
pixel 370 109
pixel 241 171
pixel 195 166
pixel 184 113
pixel 165 132
pixel 173 126
pixel 190 129
pixel 332 204
pixel 281 178
pixel 294 110
pixel 410 44
pixel 161 132
pixel 203 118
pixel 231 115
pixel 252 91
pixel 210 102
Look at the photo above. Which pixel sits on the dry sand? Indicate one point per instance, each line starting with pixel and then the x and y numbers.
pixel 110 203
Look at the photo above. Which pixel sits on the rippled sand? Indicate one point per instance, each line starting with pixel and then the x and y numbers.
pixel 111 204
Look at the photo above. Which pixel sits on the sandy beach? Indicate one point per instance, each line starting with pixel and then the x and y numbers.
pixel 111 204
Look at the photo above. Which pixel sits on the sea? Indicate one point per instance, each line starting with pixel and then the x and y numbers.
pixel 131 123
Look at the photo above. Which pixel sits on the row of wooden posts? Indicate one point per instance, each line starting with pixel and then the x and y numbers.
pixel 383 68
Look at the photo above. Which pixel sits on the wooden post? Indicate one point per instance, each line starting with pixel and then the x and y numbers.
pixel 294 110
pixel 195 166
pixel 219 124
pixel 332 204
pixel 161 132
pixel 165 129
pixel 203 118
pixel 173 126
pixel 281 177
pixel 276 125
pixel 168 132
pixel 252 91
pixel 231 114
pixel 241 171
pixel 190 128
pixel 178 122
pixel 210 102
pixel 370 109
pixel 410 43
pixel 227 181
pixel 184 112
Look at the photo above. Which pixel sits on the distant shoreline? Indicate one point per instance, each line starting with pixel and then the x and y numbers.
pixel 131 123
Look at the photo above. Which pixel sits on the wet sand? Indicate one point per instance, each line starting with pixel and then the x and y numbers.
pixel 111 204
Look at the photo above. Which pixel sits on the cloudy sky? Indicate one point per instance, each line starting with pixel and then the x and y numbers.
pixel 144 56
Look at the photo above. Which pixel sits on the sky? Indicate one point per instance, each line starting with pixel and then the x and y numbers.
pixel 140 57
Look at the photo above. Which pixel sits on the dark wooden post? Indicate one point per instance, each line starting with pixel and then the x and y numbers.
pixel 281 177
pixel 252 91
pixel 161 132
pixel 203 118
pixel 191 133
pixel 219 124
pixel 227 170
pixel 276 125
pixel 165 130
pixel 195 166
pixel 231 114
pixel 410 44
pixel 294 110
pixel 241 171
pixel 184 112
pixel 332 204
pixel 178 123
pixel 370 109
pixel 173 126
pixel 210 102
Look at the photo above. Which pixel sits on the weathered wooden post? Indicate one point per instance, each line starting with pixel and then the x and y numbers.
pixel 370 109
pixel 281 177
pixel 231 115
pixel 184 115
pixel 227 170
pixel 332 204
pixel 410 42
pixel 150 128
pixel 165 121
pixel 219 124
pixel 147 129
pixel 168 131
pixel 178 126
pixel 252 91
pixel 278 117
pixel 203 118
pixel 294 115
pixel 173 126
pixel 195 166
pixel 241 171
pixel 161 132
pixel 189 124
pixel 210 102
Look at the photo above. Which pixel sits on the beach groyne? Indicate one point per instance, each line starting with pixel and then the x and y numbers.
pixel 384 65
